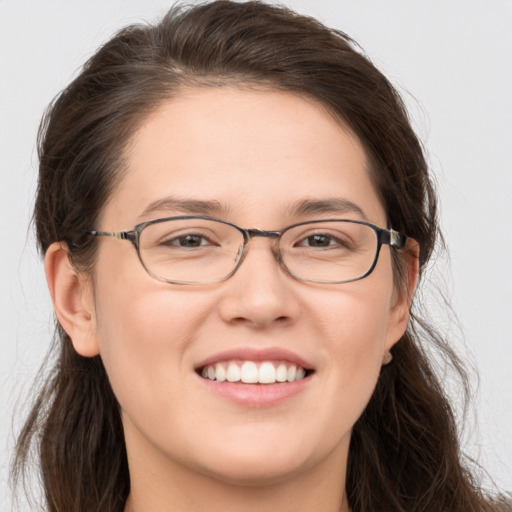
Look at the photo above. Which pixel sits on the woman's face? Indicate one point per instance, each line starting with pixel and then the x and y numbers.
pixel 249 157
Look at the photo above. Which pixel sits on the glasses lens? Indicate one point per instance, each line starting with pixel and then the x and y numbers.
pixel 190 250
pixel 329 251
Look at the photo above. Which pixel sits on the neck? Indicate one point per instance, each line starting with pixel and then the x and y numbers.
pixel 212 497
pixel 161 489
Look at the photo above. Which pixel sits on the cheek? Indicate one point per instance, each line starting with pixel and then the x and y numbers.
pixel 354 317
pixel 145 324
pixel 141 324
pixel 353 325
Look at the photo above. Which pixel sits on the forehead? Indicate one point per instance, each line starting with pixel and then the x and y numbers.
pixel 255 153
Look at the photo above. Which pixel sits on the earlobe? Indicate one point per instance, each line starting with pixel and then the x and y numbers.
pixel 72 299
pixel 400 311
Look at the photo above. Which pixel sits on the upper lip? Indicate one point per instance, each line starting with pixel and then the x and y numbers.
pixel 257 354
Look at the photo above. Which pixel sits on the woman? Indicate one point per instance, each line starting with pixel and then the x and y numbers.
pixel 235 214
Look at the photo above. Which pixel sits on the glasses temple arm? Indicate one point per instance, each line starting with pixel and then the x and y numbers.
pixel 393 238
pixel 119 235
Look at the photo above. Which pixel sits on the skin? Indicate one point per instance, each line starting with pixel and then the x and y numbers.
pixel 258 153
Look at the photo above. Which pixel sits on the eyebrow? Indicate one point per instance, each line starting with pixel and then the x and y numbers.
pixel 336 206
pixel 190 206
pixel 333 205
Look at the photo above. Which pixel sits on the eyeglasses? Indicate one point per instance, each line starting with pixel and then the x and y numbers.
pixel 203 250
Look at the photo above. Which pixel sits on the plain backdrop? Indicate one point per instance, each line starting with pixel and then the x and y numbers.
pixel 452 60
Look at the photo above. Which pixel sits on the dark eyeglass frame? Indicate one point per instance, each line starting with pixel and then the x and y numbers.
pixel 389 237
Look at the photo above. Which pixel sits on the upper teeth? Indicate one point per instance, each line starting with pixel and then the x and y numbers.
pixel 250 372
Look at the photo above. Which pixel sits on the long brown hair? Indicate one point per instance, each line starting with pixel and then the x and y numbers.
pixel 404 452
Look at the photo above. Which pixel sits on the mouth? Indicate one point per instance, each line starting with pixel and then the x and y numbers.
pixel 254 371
pixel 256 377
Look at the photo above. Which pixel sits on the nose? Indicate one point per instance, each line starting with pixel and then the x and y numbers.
pixel 261 293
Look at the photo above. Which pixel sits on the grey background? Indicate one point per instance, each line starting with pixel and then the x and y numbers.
pixel 453 62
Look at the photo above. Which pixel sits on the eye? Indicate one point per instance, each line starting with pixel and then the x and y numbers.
pixel 317 240
pixel 321 240
pixel 188 241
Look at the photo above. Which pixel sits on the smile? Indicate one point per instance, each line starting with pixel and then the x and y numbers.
pixel 253 372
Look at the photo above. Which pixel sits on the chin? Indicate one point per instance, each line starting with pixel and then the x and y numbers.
pixel 255 472
pixel 263 463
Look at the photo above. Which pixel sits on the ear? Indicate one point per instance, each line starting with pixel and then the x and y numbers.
pixel 402 298
pixel 72 299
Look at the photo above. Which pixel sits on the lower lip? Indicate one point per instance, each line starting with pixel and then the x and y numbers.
pixel 256 395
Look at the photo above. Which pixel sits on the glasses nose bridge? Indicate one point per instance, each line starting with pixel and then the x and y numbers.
pixel 255 233
pixel 252 233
